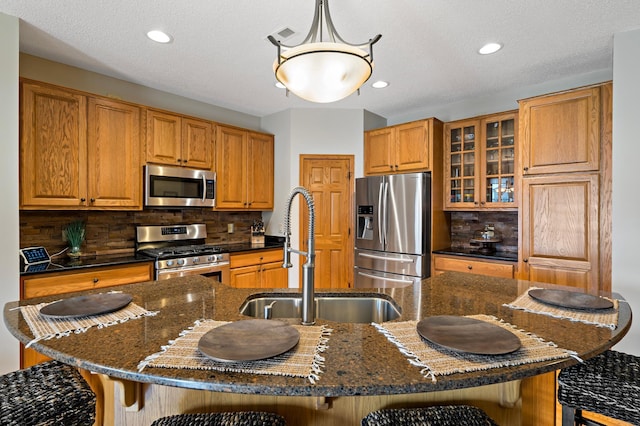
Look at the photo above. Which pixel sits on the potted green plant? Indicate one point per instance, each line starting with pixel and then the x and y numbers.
pixel 75 236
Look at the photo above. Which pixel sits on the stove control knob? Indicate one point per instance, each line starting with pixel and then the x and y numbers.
pixel 195 260
pixel 180 262
pixel 169 262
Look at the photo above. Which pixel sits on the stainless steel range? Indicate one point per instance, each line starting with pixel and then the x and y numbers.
pixel 180 250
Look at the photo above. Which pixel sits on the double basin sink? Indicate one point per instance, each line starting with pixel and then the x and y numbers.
pixel 338 308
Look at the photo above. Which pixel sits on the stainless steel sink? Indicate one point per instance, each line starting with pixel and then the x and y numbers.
pixel 351 308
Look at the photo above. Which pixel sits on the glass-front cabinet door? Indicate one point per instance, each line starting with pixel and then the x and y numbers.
pixel 498 159
pixel 461 161
pixel 479 159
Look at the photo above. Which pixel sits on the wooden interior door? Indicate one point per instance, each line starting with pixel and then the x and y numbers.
pixel 329 178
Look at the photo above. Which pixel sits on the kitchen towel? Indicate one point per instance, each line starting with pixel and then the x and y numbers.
pixel 435 360
pixel 48 328
pixel 304 360
pixel 599 317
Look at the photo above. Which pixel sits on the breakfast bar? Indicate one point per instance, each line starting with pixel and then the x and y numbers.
pixel 359 365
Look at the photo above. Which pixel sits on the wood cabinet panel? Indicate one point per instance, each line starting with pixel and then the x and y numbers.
pixel 378 145
pixel 260 170
pixel 197 146
pixel 53 149
pixel 231 168
pixel 164 138
pixel 561 132
pixel 468 265
pixel 244 169
pixel 413 146
pixel 398 149
pixel 114 175
pixel 179 140
pixel 258 269
pixel 99 277
pixel 561 240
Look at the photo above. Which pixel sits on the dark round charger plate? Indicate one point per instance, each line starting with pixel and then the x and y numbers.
pixel 91 304
pixel 570 299
pixel 248 340
pixel 468 335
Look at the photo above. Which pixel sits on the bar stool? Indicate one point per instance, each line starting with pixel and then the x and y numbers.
pixel 608 384
pixel 240 418
pixel 445 415
pixel 50 393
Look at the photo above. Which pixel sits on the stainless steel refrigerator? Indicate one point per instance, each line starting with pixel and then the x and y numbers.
pixel 393 217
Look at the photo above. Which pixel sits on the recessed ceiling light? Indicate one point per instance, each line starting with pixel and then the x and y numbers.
pixel 380 84
pixel 159 36
pixel 279 85
pixel 490 48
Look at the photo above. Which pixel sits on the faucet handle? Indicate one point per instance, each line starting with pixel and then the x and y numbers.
pixel 268 310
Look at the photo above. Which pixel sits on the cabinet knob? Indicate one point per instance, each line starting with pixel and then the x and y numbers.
pixel 475 202
pixel 469 267
pixel 482 202
pixel 95 280
pixel 93 200
pixel 525 260
pixel 525 169
pixel 83 199
pixel 185 161
pixel 179 160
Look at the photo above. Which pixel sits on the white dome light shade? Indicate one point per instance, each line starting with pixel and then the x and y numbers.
pixel 323 72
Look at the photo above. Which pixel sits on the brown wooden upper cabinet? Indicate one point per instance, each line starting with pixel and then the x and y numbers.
pixel 479 163
pixel 78 151
pixel 179 141
pixel 398 149
pixel 565 220
pixel 244 169
pixel 561 132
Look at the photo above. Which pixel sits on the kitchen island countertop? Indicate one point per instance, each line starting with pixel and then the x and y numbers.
pixel 359 359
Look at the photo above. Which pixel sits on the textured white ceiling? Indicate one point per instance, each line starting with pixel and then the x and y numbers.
pixel 220 54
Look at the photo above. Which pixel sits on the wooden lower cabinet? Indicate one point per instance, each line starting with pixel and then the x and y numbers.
pixel 560 230
pixel 259 269
pixel 443 263
pixel 53 283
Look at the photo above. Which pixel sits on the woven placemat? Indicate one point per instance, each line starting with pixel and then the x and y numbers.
pixel 599 317
pixel 304 360
pixel 435 360
pixel 44 328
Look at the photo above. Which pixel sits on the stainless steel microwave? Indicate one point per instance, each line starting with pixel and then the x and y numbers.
pixel 167 186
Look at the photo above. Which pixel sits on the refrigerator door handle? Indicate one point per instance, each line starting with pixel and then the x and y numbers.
pixel 393 280
pixel 390 259
pixel 380 213
pixel 385 220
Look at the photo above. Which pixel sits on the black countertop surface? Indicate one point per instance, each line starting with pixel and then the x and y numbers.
pixel 496 255
pixel 64 263
pixel 359 360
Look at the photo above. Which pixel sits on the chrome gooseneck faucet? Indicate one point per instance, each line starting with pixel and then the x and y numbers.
pixel 308 300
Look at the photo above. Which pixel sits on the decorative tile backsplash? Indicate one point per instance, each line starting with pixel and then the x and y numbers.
pixel 465 224
pixel 110 232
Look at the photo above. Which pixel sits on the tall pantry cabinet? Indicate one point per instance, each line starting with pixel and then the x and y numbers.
pixel 565 207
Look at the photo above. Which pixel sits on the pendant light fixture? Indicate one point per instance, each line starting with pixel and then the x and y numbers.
pixel 323 68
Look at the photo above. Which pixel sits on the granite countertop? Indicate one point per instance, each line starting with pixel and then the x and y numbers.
pixel 506 256
pixel 359 360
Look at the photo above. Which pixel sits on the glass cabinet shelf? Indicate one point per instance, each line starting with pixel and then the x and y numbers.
pixel 480 162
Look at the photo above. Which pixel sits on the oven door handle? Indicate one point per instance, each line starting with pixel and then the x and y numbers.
pixel 193 270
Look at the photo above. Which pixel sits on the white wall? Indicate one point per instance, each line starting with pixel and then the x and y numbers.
pixel 10 283
pixel 307 131
pixel 626 195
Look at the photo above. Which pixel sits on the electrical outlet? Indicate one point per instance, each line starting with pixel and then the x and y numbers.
pixel 230 228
